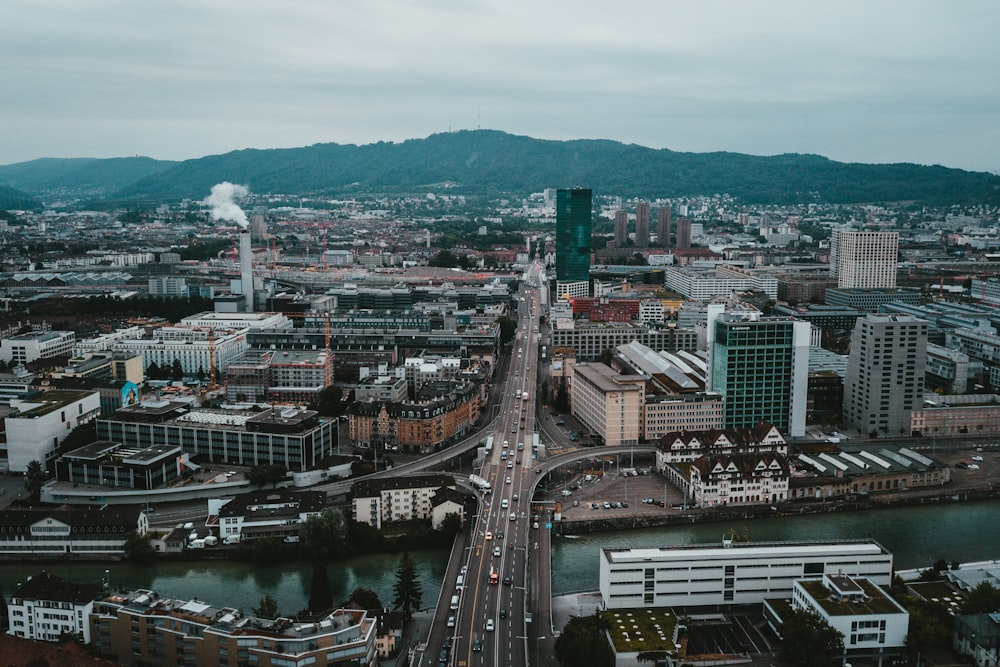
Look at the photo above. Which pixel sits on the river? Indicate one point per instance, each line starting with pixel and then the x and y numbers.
pixel 917 536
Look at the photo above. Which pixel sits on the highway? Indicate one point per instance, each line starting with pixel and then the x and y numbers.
pixel 490 624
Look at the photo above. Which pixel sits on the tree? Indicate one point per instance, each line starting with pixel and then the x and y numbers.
pixel 138 548
pixel 407 587
pixel 809 641
pixel 3 612
pixel 365 598
pixel 983 599
pixel 176 371
pixel 34 479
pixel 323 536
pixel 451 524
pixel 320 595
pixel 562 398
pixel 444 259
pixel 508 328
pixel 267 474
pixel 268 608
pixel 583 642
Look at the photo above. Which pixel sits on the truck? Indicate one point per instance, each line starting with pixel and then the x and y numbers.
pixel 494 576
pixel 231 539
pixel 211 541
pixel 480 484
pixel 197 544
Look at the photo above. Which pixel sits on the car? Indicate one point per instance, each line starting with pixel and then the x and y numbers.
pixel 447 642
pixel 504 504
pixel 465 568
pixel 508 580
pixel 500 534
pixel 513 516
pixel 515 497
pixel 510 464
pixel 489 625
pixel 560 423
pixel 535 525
pixel 489 535
pixel 477 645
pixel 607 505
pixel 973 466
pixel 962 464
pixel 451 621
pixel 974 458
pixel 661 503
pixel 518 461
pixel 520 448
pixel 503 612
pixel 443 660
pixel 496 552
pixel 514 430
pixel 595 506
pixel 508 481
pixel 624 503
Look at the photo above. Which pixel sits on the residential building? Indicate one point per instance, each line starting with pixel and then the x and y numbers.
pixel 621 228
pixel 381 388
pixel 47 608
pixel 447 501
pixel 978 636
pixel 737 479
pixel 731 573
pixel 142 627
pixel 27 347
pixel 943 415
pixel 761 366
pixel 608 403
pixel 683 241
pixel 377 502
pixel 642 225
pixel 663 226
pixel 42 422
pixel 69 533
pixel 689 446
pixel 193 348
pixel 885 373
pixel 275 513
pixel 864 260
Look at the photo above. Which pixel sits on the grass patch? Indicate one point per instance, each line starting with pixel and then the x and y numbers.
pixel 640 629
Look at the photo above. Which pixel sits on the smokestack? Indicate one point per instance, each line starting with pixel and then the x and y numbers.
pixel 246 269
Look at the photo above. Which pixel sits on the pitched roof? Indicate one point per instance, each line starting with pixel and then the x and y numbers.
pixel 45 586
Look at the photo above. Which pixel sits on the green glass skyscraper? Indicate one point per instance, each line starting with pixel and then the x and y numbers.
pixel 573 214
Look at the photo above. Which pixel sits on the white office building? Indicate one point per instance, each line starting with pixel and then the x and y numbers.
pixel 28 347
pixel 864 259
pixel 700 575
pixel 34 433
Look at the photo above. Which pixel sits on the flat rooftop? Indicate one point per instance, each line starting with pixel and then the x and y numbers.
pixel 874 602
pixel 693 552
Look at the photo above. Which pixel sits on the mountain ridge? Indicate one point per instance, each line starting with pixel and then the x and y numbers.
pixel 490 162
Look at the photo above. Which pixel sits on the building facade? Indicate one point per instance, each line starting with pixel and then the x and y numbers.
pixel 69 533
pixel 34 433
pixel 46 607
pixel 642 225
pixel 381 501
pixel 573 221
pixel 885 373
pixel 25 348
pixel 608 403
pixel 864 259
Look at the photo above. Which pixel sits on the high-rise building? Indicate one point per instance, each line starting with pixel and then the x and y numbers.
pixel 864 259
pixel 642 225
pixel 885 373
pixel 573 218
pixel 663 226
pixel 683 234
pixel 621 228
pixel 761 366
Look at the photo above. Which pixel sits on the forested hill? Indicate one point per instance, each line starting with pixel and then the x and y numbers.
pixel 492 162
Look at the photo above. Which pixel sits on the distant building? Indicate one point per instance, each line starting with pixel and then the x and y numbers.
pixel 663 226
pixel 70 533
pixel 870 300
pixel 573 221
pixel 621 228
pixel 378 502
pixel 276 513
pixel 169 287
pixel 864 259
pixel 683 234
pixel 28 347
pixel 642 225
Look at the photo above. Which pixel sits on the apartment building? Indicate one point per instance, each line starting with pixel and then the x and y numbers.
pixel 609 404
pixel 47 607
pixel 380 501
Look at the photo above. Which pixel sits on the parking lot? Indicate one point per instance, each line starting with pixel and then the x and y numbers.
pixel 615 492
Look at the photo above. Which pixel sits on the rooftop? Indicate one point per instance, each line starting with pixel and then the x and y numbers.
pixel 870 601
pixel 717 551
pixel 640 629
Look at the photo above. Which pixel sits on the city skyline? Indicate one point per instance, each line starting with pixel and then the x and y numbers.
pixel 855 82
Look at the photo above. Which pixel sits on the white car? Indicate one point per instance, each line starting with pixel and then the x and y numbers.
pixel 973 466
pixel 508 481
pixel 977 458
pixel 504 504
pixel 451 621
pixel 489 625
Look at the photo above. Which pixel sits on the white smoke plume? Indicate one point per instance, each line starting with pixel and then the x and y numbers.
pixel 224 206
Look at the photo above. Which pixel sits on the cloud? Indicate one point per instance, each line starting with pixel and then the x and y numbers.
pixel 224 206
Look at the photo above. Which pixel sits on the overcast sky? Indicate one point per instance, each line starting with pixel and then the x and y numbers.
pixel 854 80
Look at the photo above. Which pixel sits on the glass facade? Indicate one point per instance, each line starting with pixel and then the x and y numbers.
pixel 753 368
pixel 573 217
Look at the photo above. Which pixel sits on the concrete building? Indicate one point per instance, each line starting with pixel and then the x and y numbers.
pixel 608 403
pixel 142 627
pixel 42 422
pixel 663 226
pixel 590 339
pixel 377 502
pixel 381 388
pixel 731 573
pixel 295 438
pixel 761 366
pixel 169 287
pixel 944 415
pixel 25 348
pixel 621 228
pixel 873 624
pixel 193 348
pixel 864 260
pixel 949 370
pixel 885 373
pixel 683 234
pixel 111 464
pixel 870 300
pixel 46 607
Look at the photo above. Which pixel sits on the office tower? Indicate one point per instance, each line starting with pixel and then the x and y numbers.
pixel 621 228
pixel 663 226
pixel 885 373
pixel 573 217
pixel 864 259
pixel 761 367
pixel 683 234
pixel 642 225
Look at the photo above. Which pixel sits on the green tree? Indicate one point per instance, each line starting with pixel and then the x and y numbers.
pixel 407 589
pixel 929 628
pixel 562 398
pixel 263 475
pixel 809 641
pixel 320 594
pixel 34 479
pixel 138 548
pixel 324 536
pixel 508 328
pixel 176 371
pixel 444 259
pixel 268 608
pixel 451 524
pixel 365 598
pixel 983 599
pixel 583 642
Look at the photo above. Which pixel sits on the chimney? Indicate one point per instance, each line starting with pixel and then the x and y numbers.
pixel 246 269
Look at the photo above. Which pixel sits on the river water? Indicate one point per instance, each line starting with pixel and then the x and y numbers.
pixel 917 536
